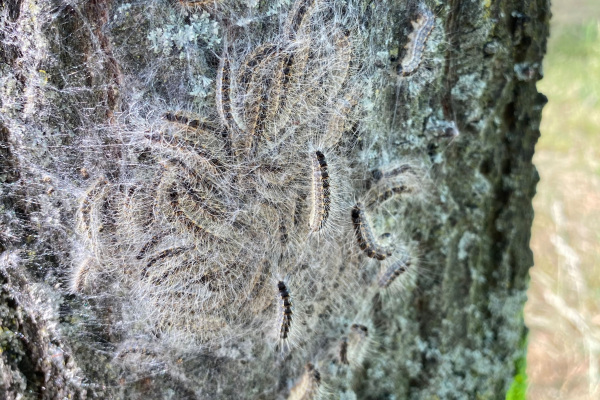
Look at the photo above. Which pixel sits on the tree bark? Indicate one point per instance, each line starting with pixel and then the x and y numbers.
pixel 73 71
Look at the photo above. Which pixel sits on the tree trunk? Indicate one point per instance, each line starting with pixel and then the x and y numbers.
pixel 431 143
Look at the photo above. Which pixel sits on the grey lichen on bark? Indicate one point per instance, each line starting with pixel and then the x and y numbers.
pixel 73 71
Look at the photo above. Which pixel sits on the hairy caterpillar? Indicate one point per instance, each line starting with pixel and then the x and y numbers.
pixel 320 192
pixel 94 193
pixel 364 235
pixel 285 302
pixel 181 148
pixel 393 271
pixel 223 94
pixel 298 17
pixel 182 119
pixel 149 245
pixel 308 386
pixel 337 125
pixel 416 42
pixel 172 252
pixel 80 275
pixel 359 343
pixel 392 182
pixel 343 351
pixel 176 212
pixel 253 80
pixel 343 55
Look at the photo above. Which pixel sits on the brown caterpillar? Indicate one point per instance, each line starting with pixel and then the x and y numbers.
pixel 85 209
pixel 188 221
pixel 337 123
pixel 257 78
pixel 223 94
pixel 197 201
pixel 199 154
pixel 198 127
pixel 416 42
pixel 189 176
pixel 170 197
pixel 298 17
pixel 308 386
pixel 364 235
pixel 260 55
pixel 359 342
pixel 256 115
pixel 343 55
pixel 286 311
pixel 392 272
pixel 172 252
pixel 378 174
pixel 149 245
pixel 320 192
pixel 389 192
pixel 290 70
pixel 79 279
pixel 343 353
pixel 135 349
pixel 397 181
pixel 183 120
pixel 189 194
pixel 176 269
pixel 277 92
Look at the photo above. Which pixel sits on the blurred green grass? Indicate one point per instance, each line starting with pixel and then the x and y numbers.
pixel 563 308
pixel 572 80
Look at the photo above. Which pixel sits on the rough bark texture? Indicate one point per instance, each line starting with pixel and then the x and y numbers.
pixel 71 70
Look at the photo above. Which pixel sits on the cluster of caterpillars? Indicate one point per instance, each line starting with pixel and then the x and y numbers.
pixel 204 237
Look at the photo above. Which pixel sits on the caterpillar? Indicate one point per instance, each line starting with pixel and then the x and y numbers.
pixel 290 68
pixel 257 78
pixel 80 277
pixel 260 55
pixel 396 181
pixel 320 192
pixel 188 267
pixel 149 245
pixel 343 353
pixel 379 174
pixel 172 252
pixel 336 127
pixel 343 57
pixel 172 200
pixel 85 209
pixel 359 342
pixel 298 17
pixel 223 94
pixel 392 272
pixel 286 311
pixel 364 235
pixel 389 192
pixel 416 42
pixel 308 386
pixel 182 119
pixel 256 116
pixel 181 146
pixel 201 201
pixel 198 192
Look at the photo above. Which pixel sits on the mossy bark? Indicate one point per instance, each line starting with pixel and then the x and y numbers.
pixel 458 333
